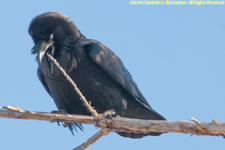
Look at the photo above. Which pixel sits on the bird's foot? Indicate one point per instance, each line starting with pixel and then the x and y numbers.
pixel 62 112
pixel 108 114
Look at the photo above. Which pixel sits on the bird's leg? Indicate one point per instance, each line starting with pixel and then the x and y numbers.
pixel 62 112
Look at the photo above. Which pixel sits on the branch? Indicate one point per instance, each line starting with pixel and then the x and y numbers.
pixel 93 139
pixel 214 128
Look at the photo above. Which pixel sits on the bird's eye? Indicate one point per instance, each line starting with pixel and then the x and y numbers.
pixel 51 37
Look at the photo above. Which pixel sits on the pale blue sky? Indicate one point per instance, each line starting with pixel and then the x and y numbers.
pixel 175 53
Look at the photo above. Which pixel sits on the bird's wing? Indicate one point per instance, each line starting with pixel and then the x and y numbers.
pixel 111 64
pixel 42 79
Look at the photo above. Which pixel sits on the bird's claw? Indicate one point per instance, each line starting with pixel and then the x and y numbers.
pixel 62 112
pixel 108 114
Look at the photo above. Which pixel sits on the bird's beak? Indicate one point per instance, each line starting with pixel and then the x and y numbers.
pixel 42 48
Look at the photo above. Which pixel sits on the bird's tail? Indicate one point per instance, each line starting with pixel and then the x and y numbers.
pixel 143 114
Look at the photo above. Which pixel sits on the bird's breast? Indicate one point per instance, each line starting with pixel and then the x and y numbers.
pixel 97 87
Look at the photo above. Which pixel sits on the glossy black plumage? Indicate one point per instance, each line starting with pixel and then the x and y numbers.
pixel 97 71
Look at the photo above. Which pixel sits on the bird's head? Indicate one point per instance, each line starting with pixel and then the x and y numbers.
pixel 52 33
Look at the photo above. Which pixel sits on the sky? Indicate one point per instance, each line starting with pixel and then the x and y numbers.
pixel 175 53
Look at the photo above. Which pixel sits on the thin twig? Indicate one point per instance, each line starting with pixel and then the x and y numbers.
pixel 201 128
pixel 92 111
pixel 17 109
pixel 195 120
pixel 198 123
pixel 91 140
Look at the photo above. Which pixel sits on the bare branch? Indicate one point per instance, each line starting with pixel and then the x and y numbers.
pixel 93 139
pixel 214 128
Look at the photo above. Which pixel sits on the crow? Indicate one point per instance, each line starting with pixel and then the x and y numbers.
pixel 97 71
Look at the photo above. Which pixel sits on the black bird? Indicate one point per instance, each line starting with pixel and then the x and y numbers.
pixel 97 71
